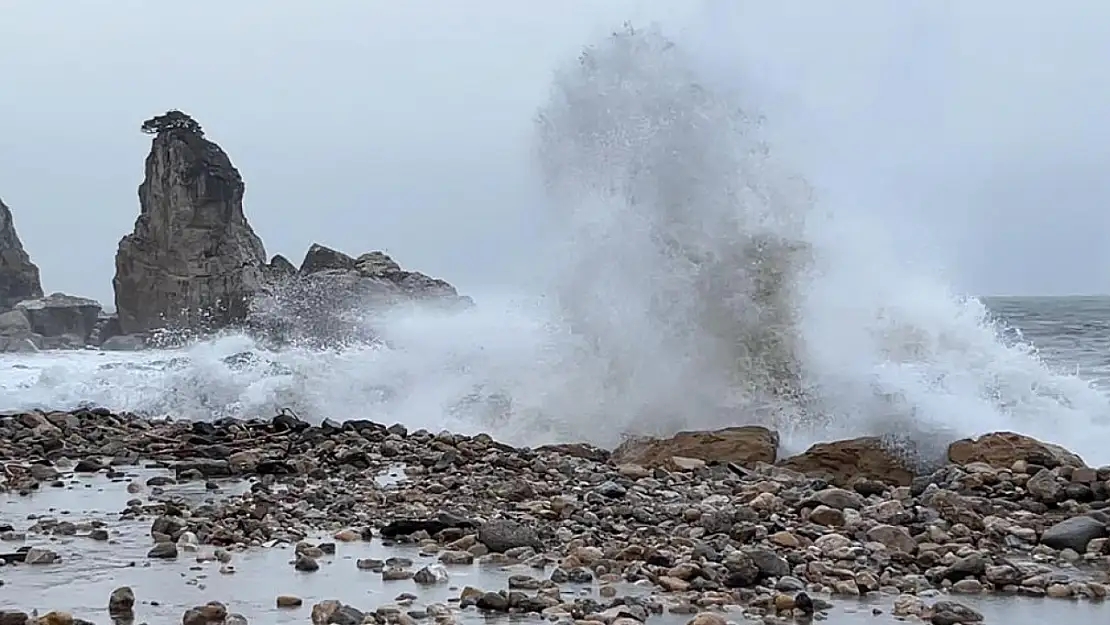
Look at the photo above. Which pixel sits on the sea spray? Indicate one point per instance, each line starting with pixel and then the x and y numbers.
pixel 683 238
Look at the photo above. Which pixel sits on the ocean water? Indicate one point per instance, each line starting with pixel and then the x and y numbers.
pixel 1062 364
pixel 1072 334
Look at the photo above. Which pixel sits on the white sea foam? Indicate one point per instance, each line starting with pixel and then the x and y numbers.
pixel 697 283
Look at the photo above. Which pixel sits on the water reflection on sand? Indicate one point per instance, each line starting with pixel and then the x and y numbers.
pixel 165 589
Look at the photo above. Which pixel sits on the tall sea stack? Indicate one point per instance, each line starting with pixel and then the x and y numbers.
pixel 192 260
pixel 19 277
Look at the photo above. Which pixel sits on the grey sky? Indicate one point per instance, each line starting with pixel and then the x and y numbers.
pixel 978 127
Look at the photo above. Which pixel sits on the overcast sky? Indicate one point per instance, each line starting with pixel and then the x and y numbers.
pixel 981 129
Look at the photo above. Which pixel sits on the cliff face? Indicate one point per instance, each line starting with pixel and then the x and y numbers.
pixel 192 260
pixel 19 277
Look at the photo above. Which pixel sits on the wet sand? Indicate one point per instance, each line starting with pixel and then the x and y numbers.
pixel 165 589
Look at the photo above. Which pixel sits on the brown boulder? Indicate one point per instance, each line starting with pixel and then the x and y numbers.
pixel 842 462
pixel 1003 449
pixel 745 446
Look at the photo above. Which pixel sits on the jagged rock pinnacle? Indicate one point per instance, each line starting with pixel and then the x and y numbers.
pixel 19 277
pixel 192 259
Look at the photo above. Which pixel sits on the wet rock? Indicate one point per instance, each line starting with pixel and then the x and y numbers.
pixel 211 613
pixel 768 562
pixel 434 574
pixel 168 526
pixel 40 555
pixel 501 535
pixel 611 489
pixel 742 571
pixel 88 465
pixel 578 450
pixel 971 565
pixel 121 601
pixel 1004 449
pixel 805 604
pixel 893 538
pixel 952 613
pixel 835 498
pixel 289 601
pixel 396 574
pixel 1045 487
pixel 493 602
pixel 56 617
pixel 842 462
pixel 14 617
pixel 744 446
pixel 408 527
pixel 306 564
pixel 1074 533
pixel 908 605
pixel 452 557
pixel 829 517
pixel 1002 575
pixel 163 550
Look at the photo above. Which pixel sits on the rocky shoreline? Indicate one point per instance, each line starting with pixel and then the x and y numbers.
pixel 709 524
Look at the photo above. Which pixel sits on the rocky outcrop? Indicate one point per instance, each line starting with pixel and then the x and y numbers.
pixel 378 274
pixel 192 259
pixel 335 298
pixel 19 277
pixel 16 335
pixel 1003 449
pixel 59 315
pixel 745 446
pixel 58 321
pixel 843 462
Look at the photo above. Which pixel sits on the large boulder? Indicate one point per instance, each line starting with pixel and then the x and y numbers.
pixel 745 446
pixel 192 259
pixel 335 298
pixel 58 315
pixel 1074 533
pixel 16 334
pixel 19 277
pixel 1003 449
pixel 843 462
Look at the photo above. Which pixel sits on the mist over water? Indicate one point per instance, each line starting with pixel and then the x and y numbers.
pixel 695 280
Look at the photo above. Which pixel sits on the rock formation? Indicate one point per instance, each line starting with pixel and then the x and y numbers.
pixel 333 297
pixel 744 445
pixel 841 462
pixel 57 321
pixel 19 277
pixel 1003 449
pixel 60 315
pixel 192 259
